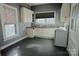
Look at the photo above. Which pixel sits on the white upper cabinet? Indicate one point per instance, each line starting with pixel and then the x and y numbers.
pixel 26 15
pixel 65 12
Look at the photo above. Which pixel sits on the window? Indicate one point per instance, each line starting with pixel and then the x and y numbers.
pixel 46 19
pixel 9 21
pixel 10 30
pixel 45 22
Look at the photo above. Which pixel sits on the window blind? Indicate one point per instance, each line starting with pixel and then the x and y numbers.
pixel 9 15
pixel 45 15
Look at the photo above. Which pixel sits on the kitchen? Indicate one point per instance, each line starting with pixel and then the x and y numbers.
pixel 38 26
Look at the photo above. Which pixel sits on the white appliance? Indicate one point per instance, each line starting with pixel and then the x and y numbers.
pixel 61 37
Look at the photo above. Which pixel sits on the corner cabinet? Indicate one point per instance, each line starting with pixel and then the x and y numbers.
pixel 26 15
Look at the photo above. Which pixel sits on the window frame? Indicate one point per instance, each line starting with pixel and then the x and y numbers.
pixel 2 22
pixel 47 12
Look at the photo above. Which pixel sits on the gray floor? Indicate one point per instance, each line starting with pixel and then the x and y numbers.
pixel 34 47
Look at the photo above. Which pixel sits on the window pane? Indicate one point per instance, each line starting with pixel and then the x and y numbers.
pixel 40 21
pixel 45 21
pixel 9 15
pixel 10 30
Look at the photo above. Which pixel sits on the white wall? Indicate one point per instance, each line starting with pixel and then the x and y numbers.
pixel 73 42
pixel 21 26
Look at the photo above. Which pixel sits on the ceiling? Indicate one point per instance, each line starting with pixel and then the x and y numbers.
pixel 34 4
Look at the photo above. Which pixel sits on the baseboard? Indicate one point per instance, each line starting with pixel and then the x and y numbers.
pixel 43 37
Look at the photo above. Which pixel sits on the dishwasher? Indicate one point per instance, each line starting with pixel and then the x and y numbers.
pixel 60 37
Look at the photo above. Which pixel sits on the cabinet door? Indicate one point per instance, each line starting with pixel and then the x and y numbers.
pixel 26 15
pixel 29 16
pixel 65 12
pixel 30 32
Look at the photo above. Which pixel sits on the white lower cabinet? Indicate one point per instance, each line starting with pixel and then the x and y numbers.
pixel 48 33
pixel 30 32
